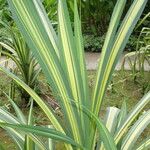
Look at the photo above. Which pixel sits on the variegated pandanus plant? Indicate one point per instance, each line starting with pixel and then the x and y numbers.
pixel 61 57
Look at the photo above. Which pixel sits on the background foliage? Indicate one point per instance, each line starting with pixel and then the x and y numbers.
pixel 95 16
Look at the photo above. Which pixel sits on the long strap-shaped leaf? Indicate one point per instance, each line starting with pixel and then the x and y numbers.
pixel 18 137
pixel 135 131
pixel 48 26
pixel 18 112
pixel 98 91
pixel 29 144
pixel 38 100
pixel 42 131
pixel 80 51
pixel 110 121
pixel 110 38
pixel 7 117
pixel 104 133
pixel 71 61
pixel 131 116
pixel 69 49
pixel 81 58
pixel 113 47
pixel 11 56
pixel 29 21
pixel 112 54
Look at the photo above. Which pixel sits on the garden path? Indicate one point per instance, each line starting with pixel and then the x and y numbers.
pixel 92 62
pixel 93 58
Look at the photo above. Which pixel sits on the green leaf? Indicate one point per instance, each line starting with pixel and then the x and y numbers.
pixel 19 113
pixel 104 135
pixel 9 118
pixel 131 116
pixel 81 58
pixel 101 80
pixel 38 100
pixel 111 118
pixel 111 121
pixel 18 137
pixel 42 131
pixel 111 55
pixel 35 32
pixel 29 144
pixel 135 131
pixel 71 63
pixel 50 141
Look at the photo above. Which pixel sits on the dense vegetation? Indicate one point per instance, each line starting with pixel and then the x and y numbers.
pixel 95 16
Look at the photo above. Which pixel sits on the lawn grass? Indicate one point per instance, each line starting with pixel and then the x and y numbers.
pixel 122 88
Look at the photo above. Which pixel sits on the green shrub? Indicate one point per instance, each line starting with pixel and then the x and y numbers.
pixel 16 49
pixel 93 43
